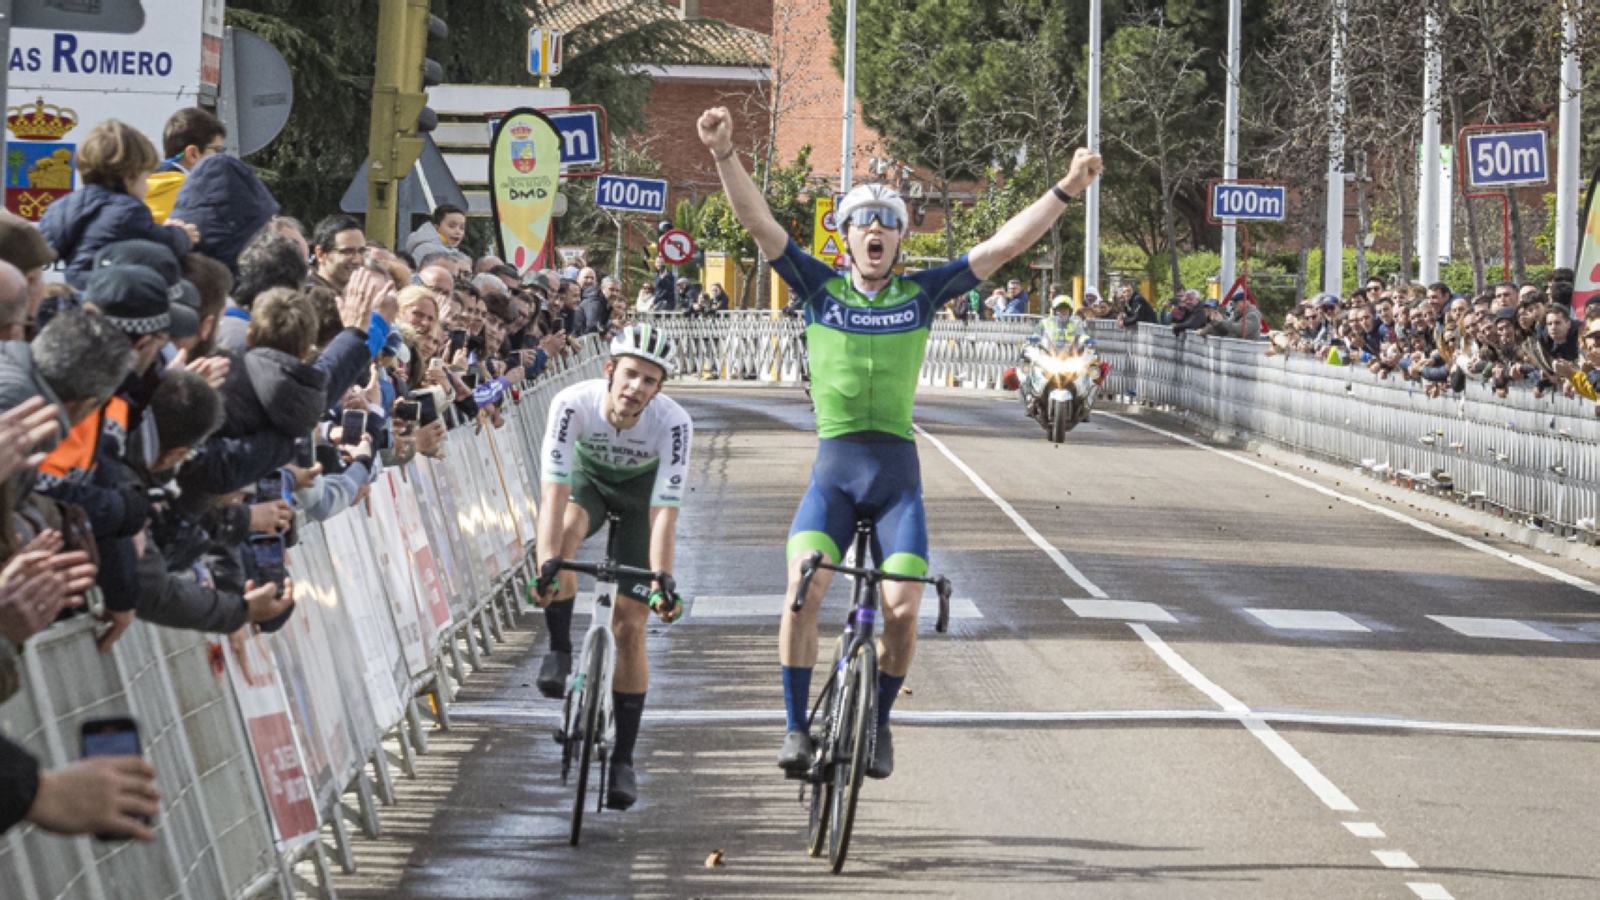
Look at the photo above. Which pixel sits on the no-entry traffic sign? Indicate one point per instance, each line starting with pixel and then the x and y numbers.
pixel 676 247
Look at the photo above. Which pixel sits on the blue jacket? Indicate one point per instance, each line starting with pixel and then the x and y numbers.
pixel 225 200
pixel 82 222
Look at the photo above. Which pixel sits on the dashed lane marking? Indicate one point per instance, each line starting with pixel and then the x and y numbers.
pixel 1306 620
pixel 1365 830
pixel 1428 890
pixel 1502 629
pixel 1121 610
pixel 1395 859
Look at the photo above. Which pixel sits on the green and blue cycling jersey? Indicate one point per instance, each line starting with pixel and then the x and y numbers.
pixel 866 357
pixel 867 351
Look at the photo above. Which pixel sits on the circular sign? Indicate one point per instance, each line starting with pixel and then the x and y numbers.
pixel 829 223
pixel 676 247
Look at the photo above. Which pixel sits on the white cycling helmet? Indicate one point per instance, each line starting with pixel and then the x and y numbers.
pixel 872 196
pixel 647 343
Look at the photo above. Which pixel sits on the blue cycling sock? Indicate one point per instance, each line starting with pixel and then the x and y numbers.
pixel 888 689
pixel 796 695
pixel 558 622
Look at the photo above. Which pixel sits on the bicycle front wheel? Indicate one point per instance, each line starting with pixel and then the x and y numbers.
pixel 858 718
pixel 588 727
pixel 822 768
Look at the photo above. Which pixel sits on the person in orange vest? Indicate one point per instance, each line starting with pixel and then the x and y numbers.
pixel 85 469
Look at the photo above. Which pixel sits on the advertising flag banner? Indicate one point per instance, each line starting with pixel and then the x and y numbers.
pixel 1588 271
pixel 524 172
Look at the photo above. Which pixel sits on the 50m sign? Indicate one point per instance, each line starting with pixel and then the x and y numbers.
pixel 1503 159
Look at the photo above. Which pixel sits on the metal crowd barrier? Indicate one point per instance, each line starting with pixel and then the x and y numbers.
pixel 1534 459
pixel 271 752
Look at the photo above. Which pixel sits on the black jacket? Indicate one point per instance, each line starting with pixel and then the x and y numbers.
pixel 594 313
pixel 270 390
pixel 19 783
pixel 84 221
pixel 1139 310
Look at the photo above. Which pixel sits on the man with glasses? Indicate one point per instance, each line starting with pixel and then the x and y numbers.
pixel 867 334
pixel 339 247
pixel 191 134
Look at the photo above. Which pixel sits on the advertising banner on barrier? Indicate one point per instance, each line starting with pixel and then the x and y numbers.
pixel 329 615
pixel 480 505
pixel 393 562
pixel 272 741
pixel 510 478
pixel 431 603
pixel 311 682
pixel 430 481
pixel 501 533
pixel 383 667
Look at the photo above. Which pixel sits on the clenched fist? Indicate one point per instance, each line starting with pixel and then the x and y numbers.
pixel 716 130
pixel 1086 167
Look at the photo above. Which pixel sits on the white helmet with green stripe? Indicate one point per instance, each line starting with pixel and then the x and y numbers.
pixel 648 343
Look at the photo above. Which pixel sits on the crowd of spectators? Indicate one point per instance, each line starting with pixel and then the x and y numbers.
pixel 206 369
pixel 1509 336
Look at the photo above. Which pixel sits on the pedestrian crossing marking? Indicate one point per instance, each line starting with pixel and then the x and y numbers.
pixel 1306 620
pixel 1123 610
pixel 1503 629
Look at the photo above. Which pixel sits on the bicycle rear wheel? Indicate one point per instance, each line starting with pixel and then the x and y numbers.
pixel 588 727
pixel 857 726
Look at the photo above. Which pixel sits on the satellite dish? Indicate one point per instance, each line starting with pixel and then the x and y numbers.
pixel 259 89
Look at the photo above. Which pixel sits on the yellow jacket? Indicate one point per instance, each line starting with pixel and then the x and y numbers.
pixel 163 194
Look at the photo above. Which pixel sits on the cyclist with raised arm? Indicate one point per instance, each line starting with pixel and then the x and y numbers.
pixel 614 445
pixel 867 334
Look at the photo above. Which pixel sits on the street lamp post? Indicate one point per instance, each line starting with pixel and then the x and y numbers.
pixel 1230 141
pixel 847 164
pixel 1091 224
pixel 1567 141
pixel 1333 238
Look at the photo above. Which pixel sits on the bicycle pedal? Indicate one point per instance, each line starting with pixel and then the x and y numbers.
pixel 559 735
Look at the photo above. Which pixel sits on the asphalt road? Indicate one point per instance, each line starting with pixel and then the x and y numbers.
pixel 1217 682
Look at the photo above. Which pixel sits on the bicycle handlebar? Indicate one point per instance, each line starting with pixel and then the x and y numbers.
pixel 809 568
pixel 608 572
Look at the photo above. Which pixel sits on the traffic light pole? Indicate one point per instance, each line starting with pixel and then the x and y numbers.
pixel 397 101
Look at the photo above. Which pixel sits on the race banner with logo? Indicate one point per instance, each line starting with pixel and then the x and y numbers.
pixel 1587 283
pixel 524 171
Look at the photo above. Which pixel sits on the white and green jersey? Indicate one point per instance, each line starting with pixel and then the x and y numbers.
pixel 578 438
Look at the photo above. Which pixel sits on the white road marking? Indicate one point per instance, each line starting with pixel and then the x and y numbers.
pixel 1365 829
pixel 1306 620
pixel 534 710
pixel 1395 859
pixel 1122 610
pixel 770 606
pixel 1428 890
pixel 1581 584
pixel 1503 629
pixel 1055 555
pixel 960 608
pixel 766 606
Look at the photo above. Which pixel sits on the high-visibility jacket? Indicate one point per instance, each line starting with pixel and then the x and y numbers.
pixel 73 459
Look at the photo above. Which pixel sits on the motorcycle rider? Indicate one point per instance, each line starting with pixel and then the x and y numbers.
pixel 1058 329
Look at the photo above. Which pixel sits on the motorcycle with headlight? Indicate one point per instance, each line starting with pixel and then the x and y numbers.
pixel 1057 385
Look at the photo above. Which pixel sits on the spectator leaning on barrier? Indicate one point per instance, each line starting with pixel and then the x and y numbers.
pixel 1136 309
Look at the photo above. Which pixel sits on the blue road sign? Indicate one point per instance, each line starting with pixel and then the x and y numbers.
pixel 1501 159
pixel 582 138
pixel 635 195
pixel 1248 202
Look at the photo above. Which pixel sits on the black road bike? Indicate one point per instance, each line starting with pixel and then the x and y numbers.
pixel 845 717
pixel 588 721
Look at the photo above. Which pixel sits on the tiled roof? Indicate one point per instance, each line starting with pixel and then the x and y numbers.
pixel 700 41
